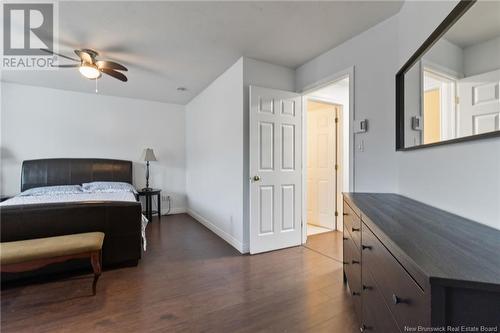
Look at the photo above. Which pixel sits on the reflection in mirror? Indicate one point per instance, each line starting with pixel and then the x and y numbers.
pixel 453 90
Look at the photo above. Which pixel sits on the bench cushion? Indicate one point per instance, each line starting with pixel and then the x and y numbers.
pixel 50 247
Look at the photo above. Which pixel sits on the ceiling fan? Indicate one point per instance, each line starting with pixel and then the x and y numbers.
pixel 90 67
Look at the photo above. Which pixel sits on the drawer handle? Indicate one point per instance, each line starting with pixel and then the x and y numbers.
pixel 355 293
pixel 345 214
pixel 345 263
pixel 396 299
pixel 366 247
pixel 367 287
pixel 355 262
pixel 364 328
pixel 345 238
pixel 355 229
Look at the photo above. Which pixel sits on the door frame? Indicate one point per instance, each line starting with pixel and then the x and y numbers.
pixel 449 80
pixel 347 162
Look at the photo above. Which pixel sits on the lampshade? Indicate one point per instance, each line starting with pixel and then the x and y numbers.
pixel 149 155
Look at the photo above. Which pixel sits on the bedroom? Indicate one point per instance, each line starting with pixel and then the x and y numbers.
pixel 192 70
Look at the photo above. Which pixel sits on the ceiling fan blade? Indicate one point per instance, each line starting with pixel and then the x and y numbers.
pixel 59 55
pixel 111 65
pixel 115 74
pixel 84 56
pixel 66 66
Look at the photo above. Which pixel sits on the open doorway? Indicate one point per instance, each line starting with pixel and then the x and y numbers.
pixel 278 159
pixel 326 133
pixel 439 106
pixel 322 165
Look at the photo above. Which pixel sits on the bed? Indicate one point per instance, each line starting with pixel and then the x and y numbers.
pixel 120 220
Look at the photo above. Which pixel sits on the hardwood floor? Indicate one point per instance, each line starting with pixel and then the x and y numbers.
pixel 190 280
pixel 327 243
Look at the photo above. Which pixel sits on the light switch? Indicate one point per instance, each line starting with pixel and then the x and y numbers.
pixel 361 145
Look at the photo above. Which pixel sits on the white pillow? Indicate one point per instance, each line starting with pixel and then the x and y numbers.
pixel 52 190
pixel 108 187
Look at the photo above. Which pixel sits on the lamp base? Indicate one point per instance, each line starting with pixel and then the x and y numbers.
pixel 146 189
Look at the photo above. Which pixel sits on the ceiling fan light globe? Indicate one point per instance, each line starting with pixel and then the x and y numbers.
pixel 90 71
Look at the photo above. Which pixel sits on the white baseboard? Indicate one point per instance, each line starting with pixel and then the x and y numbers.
pixel 218 231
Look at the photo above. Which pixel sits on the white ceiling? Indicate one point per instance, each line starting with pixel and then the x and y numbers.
pixel 479 24
pixel 170 44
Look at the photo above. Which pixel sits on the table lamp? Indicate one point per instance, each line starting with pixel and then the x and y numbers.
pixel 149 156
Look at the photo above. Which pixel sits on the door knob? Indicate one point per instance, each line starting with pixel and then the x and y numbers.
pixel 256 178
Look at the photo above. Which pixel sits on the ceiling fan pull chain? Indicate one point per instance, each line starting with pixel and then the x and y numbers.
pixel 96 91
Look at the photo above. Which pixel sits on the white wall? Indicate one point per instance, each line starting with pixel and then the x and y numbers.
pixel 462 178
pixel 478 58
pixel 214 156
pixel 373 56
pixel 446 57
pixel 40 122
pixel 217 147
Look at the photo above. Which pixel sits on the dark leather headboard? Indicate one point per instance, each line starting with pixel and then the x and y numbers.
pixel 73 171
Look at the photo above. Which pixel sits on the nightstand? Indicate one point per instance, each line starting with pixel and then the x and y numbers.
pixel 148 194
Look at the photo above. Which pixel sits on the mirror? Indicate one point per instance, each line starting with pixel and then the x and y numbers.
pixel 449 90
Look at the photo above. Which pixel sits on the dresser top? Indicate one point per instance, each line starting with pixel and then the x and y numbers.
pixel 445 248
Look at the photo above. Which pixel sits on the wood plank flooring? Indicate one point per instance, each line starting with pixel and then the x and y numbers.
pixel 327 243
pixel 190 280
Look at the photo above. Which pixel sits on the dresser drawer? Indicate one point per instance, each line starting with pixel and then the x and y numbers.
pixel 376 315
pixel 352 269
pixel 352 223
pixel 353 253
pixel 352 265
pixel 403 296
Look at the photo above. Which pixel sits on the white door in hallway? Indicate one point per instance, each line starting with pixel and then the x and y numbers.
pixel 479 104
pixel 275 169
pixel 321 159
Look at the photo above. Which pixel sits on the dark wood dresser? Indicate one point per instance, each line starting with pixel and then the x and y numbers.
pixel 409 266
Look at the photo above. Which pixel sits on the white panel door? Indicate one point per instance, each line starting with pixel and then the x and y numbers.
pixel 275 169
pixel 479 104
pixel 321 151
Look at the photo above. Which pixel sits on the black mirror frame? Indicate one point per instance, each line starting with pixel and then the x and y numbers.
pixel 460 9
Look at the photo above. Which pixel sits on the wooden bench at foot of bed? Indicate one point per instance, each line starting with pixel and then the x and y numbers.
pixel 31 254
